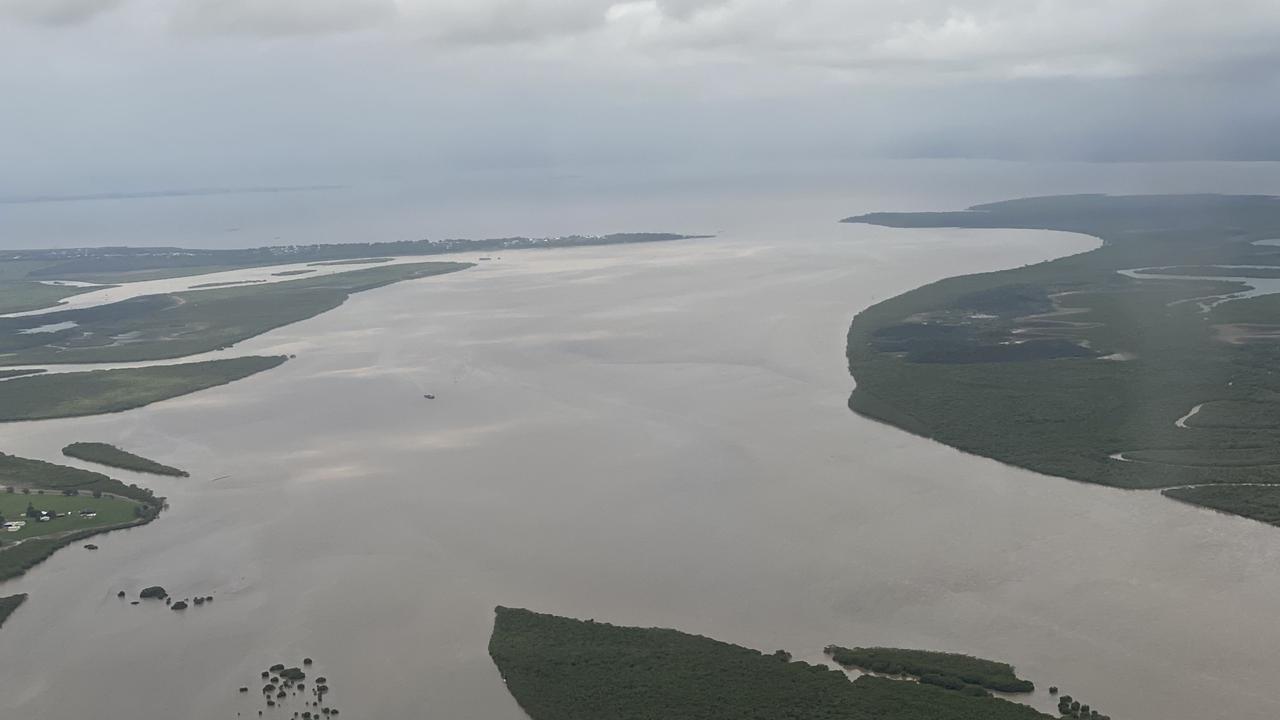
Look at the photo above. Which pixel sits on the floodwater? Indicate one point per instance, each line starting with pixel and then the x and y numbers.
pixel 650 435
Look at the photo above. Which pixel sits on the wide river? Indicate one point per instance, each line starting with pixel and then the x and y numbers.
pixel 651 435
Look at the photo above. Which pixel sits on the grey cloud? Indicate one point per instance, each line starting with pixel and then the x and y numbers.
pixel 499 22
pixel 280 17
pixel 55 12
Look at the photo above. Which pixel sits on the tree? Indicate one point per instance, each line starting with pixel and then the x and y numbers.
pixel 31 511
pixel 97 493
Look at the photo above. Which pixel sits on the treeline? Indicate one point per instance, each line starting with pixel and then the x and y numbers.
pixel 950 670
pixel 19 472
pixel 112 456
pixel 564 669
pixel 9 604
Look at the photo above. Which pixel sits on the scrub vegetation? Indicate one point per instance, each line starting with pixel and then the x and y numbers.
pixel 112 456
pixel 5 374
pixel 1073 368
pixel 1260 502
pixel 110 265
pixel 28 477
pixel 9 604
pixel 19 292
pixel 159 327
pixel 563 669
pixel 57 395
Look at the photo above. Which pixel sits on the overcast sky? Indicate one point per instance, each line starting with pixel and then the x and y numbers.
pixel 102 95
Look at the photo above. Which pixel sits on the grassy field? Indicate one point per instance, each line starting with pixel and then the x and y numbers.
pixel 934 361
pixel 950 670
pixel 40 397
pixel 563 669
pixel 110 510
pixel 42 484
pixel 158 327
pixel 112 456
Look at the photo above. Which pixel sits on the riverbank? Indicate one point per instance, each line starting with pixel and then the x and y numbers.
pixel 971 362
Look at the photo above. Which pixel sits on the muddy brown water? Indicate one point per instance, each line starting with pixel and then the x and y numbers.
pixel 648 435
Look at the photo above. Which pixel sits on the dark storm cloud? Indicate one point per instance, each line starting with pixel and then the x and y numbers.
pixel 245 92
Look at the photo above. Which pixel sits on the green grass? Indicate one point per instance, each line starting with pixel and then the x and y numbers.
pixel 936 668
pixel 29 478
pixel 16 560
pixel 158 327
pixel 112 456
pixel 9 604
pixel 22 296
pixel 94 392
pixel 111 511
pixel 1066 415
pixel 563 669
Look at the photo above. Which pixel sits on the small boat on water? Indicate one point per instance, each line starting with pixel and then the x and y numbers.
pixel 429 396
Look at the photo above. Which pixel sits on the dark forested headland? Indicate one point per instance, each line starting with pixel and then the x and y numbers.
pixel 1081 367
pixel 112 456
pixel 563 669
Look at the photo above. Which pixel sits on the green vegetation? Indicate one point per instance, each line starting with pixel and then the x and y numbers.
pixel 32 486
pixel 1058 366
pixel 25 475
pixel 93 392
pixel 563 669
pixel 354 261
pixel 112 456
pixel 949 670
pixel 18 293
pixel 108 511
pixel 9 604
pixel 26 296
pixel 228 283
pixel 1259 502
pixel 1069 707
pixel 1215 271
pixel 125 264
pixel 4 374
pixel 158 327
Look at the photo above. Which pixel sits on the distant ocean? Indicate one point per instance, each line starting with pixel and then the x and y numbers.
pixel 564 201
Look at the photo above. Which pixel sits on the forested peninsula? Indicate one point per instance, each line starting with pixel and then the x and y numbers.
pixel 564 669
pixel 1145 363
